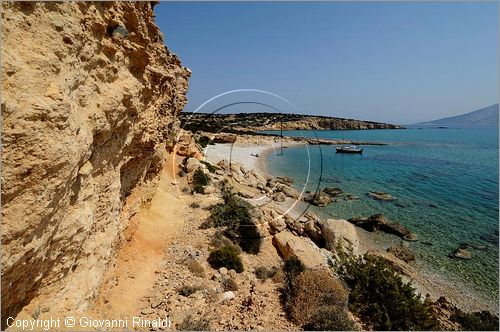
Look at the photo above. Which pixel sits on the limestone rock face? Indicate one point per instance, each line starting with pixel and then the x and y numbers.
pixel 89 98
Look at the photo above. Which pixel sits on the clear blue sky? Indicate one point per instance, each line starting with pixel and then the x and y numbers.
pixel 392 62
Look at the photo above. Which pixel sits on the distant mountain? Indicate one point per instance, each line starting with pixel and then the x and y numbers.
pixel 482 117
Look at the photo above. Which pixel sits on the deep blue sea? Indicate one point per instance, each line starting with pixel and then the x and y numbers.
pixel 445 182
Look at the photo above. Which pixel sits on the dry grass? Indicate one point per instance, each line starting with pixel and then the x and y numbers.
pixel 195 267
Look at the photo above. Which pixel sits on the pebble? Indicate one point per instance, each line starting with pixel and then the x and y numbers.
pixel 223 271
pixel 228 296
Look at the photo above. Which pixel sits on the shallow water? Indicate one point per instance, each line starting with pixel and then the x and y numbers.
pixel 445 182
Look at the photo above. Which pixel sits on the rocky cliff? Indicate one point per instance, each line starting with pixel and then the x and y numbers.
pixel 89 98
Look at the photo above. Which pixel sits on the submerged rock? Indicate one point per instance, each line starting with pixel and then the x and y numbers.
pixel 461 253
pixel 381 196
pixel 402 252
pixel 379 222
pixel 333 191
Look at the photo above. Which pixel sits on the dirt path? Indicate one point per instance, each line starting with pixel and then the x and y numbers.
pixel 149 233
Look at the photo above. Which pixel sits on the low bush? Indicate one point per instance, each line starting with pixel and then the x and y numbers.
pixel 330 318
pixel 476 321
pixel 226 256
pixel 229 284
pixel 194 205
pixel 311 290
pixel 191 324
pixel 200 181
pixel 188 290
pixel 264 273
pixel 292 268
pixel 232 212
pixel 236 215
pixel 194 267
pixel 379 297
pixel 247 236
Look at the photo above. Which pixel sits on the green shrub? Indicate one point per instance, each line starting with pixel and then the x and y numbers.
pixel 379 296
pixel 235 214
pixel 248 237
pixel 226 256
pixel 264 273
pixel 330 318
pixel 476 321
pixel 232 212
pixel 188 290
pixel 292 268
pixel 203 141
pixel 200 181
pixel 191 324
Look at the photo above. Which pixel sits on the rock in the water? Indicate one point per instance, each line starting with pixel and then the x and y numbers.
pixel 491 237
pixel 402 252
pixel 286 180
pixel 461 253
pixel 304 249
pixel 333 191
pixel 319 199
pixel 381 196
pixel 378 222
pixel 339 230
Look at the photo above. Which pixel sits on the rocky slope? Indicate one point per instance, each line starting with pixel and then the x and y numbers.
pixel 273 121
pixel 90 95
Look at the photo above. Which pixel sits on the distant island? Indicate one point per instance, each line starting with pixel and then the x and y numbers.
pixel 487 116
pixel 273 121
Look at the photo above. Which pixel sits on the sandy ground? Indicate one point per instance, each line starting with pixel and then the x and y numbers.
pixel 150 231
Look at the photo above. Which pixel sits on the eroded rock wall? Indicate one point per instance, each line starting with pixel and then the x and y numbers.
pixel 89 98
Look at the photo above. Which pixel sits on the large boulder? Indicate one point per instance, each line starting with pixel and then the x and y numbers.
pixel 304 249
pixel 340 232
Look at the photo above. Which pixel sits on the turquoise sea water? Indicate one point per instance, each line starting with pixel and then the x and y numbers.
pixel 445 182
